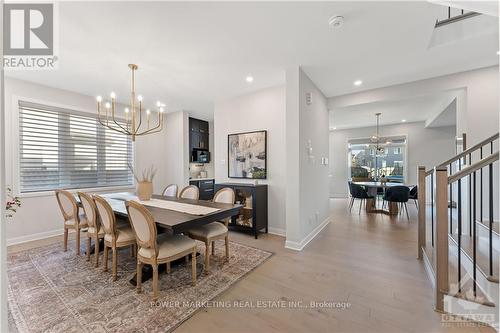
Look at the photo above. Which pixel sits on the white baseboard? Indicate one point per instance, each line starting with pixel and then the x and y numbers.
pixel 34 237
pixel 298 246
pixel 277 231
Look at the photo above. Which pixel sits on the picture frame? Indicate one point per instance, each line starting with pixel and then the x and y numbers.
pixel 247 155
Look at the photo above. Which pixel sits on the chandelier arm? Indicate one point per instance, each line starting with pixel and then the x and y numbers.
pixel 155 129
pixel 116 129
pixel 114 120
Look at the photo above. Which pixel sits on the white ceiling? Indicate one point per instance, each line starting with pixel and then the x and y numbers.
pixel 191 55
pixel 422 108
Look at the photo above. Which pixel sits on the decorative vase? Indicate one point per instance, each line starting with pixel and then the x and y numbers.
pixel 144 190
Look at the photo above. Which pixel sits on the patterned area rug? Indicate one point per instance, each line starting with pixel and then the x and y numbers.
pixel 55 291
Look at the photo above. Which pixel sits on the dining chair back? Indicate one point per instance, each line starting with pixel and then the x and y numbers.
pixel 143 225
pixel 106 215
pixel 72 220
pixel 90 210
pixel 170 191
pixel 67 204
pixel 94 230
pixel 358 191
pixel 190 192
pixel 414 195
pixel 224 195
pixel 399 195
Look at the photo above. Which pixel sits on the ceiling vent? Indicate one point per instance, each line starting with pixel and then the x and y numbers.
pixel 336 21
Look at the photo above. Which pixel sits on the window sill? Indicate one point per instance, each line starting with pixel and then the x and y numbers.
pixel 94 190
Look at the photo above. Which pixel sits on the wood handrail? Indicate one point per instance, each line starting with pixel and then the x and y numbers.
pixel 474 167
pixel 470 150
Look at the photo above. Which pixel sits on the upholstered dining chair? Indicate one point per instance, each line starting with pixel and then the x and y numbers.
pixel 209 233
pixel 400 196
pixel 72 218
pixel 358 192
pixel 155 250
pixel 94 226
pixel 170 191
pixel 114 237
pixel 190 192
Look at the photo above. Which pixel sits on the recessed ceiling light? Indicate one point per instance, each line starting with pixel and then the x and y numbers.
pixel 249 79
pixel 498 52
pixel 357 83
pixel 403 120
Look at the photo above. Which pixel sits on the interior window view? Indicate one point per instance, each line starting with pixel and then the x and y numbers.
pixel 250 166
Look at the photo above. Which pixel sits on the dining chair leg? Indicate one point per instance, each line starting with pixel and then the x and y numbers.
pixel 350 204
pixel 227 247
pixel 193 266
pixel 105 259
pixel 155 282
pixel 406 208
pixel 78 241
pixel 96 252
pixel 416 203
pixel 88 248
pixel 207 257
pixel 65 239
pixel 168 268
pixel 213 248
pixel 360 204
pixel 139 277
pixel 114 264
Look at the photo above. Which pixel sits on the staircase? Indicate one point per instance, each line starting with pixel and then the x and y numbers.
pixel 458 233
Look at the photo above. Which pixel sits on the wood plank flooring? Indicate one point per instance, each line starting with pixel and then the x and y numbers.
pixel 368 261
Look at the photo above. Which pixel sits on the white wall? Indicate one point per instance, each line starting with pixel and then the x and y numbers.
pixel 307 205
pixel 39 216
pixel 425 146
pixel 167 151
pixel 477 103
pixel 262 110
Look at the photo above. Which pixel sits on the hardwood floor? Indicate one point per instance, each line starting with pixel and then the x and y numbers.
pixel 368 261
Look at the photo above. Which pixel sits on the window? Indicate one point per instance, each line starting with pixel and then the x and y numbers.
pixel 398 151
pixel 61 148
pixel 366 164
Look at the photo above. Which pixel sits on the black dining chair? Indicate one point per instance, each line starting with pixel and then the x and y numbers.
pixel 358 192
pixel 399 195
pixel 414 195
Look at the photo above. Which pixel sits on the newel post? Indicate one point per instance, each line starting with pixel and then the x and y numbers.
pixel 421 210
pixel 441 197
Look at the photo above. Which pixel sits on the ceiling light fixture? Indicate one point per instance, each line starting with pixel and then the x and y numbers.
pixel 249 79
pixel 357 83
pixel 403 120
pixel 336 21
pixel 133 114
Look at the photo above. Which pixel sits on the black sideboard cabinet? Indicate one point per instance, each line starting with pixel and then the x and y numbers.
pixel 206 187
pixel 253 215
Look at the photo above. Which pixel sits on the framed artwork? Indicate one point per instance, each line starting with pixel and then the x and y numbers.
pixel 247 155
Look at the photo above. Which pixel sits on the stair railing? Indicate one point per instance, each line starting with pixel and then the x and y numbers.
pixel 440 184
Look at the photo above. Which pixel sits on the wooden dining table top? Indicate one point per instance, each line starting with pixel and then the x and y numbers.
pixel 174 220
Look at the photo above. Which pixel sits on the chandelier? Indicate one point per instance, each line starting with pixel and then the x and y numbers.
pixel 379 150
pixel 133 124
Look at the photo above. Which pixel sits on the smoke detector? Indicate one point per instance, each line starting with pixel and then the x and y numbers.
pixel 336 21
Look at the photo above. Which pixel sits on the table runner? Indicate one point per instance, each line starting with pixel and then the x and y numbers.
pixel 179 207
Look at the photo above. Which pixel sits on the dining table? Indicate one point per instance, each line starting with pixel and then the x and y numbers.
pixel 171 215
pixel 372 190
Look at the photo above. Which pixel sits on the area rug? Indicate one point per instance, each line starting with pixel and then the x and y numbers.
pixel 54 291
